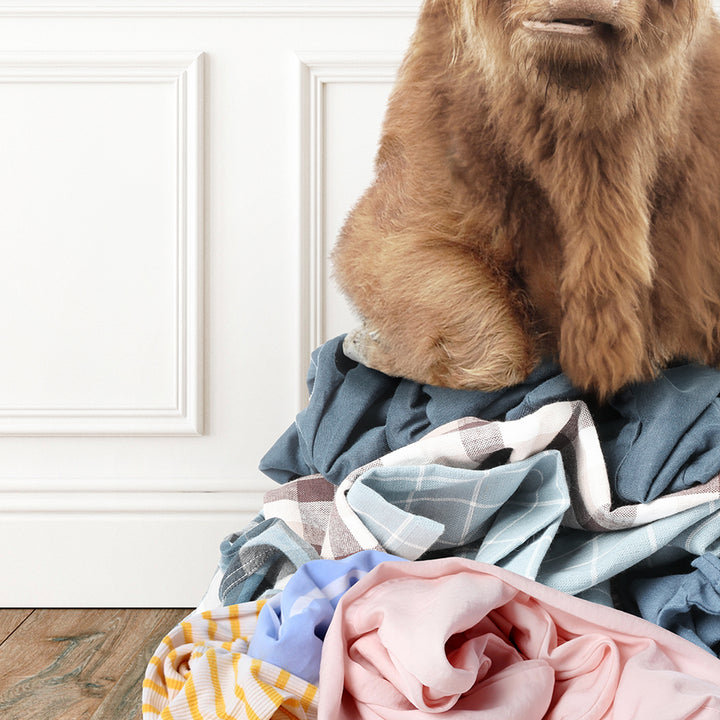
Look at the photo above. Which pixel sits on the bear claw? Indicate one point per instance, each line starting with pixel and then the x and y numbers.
pixel 358 342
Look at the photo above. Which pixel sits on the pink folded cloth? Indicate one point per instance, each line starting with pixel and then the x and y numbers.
pixel 463 639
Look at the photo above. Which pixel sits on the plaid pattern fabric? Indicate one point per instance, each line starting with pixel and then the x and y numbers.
pixel 531 495
pixel 260 559
pixel 201 671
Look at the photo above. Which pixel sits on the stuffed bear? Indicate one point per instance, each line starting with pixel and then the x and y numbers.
pixel 547 185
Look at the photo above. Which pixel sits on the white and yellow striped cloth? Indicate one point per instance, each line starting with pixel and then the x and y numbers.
pixel 201 671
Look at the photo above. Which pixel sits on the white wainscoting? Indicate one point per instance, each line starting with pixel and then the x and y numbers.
pixel 214 8
pixel 101 182
pixel 343 100
pixel 173 177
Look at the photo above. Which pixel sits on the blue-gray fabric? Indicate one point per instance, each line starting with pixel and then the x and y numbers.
pixel 577 560
pixel 686 604
pixel 254 560
pixel 506 515
pixel 426 501
pixel 668 434
pixel 657 437
pixel 356 414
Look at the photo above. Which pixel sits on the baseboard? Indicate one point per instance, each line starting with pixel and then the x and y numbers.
pixel 114 549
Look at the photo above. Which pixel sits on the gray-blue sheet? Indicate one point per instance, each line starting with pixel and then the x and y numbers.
pixel 657 437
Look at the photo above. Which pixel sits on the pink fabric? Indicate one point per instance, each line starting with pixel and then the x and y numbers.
pixel 463 639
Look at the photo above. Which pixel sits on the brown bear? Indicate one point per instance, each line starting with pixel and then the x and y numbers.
pixel 547 185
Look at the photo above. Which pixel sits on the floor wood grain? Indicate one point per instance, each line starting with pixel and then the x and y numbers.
pixel 10 621
pixel 77 664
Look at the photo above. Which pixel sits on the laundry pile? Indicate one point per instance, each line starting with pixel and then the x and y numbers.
pixel 565 555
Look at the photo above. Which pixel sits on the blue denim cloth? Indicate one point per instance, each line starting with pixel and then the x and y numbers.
pixel 356 414
pixel 657 437
pixel 667 434
pixel 688 605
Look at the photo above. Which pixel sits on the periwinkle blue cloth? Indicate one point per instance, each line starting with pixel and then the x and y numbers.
pixel 657 437
pixel 688 605
pixel 291 626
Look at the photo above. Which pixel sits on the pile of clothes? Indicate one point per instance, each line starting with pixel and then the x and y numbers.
pixel 564 555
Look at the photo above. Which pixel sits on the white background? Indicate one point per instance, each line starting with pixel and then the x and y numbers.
pixel 172 176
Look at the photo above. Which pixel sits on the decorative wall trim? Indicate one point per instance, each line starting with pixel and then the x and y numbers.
pixel 214 8
pixel 36 486
pixel 184 71
pixel 317 71
pixel 115 548
pixel 192 503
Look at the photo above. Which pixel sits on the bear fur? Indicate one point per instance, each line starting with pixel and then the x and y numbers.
pixel 547 185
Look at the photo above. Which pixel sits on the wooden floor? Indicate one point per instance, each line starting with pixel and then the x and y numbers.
pixel 77 664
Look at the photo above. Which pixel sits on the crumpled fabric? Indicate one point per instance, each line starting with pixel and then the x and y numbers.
pixel 356 414
pixel 257 561
pixel 657 437
pixel 686 604
pixel 291 626
pixel 531 495
pixel 465 640
pixel 669 434
pixel 202 671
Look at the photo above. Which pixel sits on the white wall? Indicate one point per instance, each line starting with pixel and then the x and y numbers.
pixel 172 175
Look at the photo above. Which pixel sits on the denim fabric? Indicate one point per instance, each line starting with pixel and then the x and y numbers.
pixel 439 497
pixel 668 434
pixel 356 414
pixel 688 605
pixel 657 437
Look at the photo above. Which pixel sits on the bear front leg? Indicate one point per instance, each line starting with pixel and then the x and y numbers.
pixel 602 333
pixel 605 297
pixel 598 185
pixel 434 311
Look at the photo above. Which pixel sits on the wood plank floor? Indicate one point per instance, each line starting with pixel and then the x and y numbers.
pixel 77 664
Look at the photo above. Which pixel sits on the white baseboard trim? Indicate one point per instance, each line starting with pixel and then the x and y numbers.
pixel 114 549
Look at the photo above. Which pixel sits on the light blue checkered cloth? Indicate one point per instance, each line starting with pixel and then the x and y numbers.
pixel 531 495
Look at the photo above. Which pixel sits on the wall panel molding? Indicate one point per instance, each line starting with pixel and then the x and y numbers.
pixel 106 502
pixel 183 72
pixel 214 8
pixel 136 485
pixel 317 72
pixel 116 548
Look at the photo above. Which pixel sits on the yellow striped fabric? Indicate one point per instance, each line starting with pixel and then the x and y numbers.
pixel 201 671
